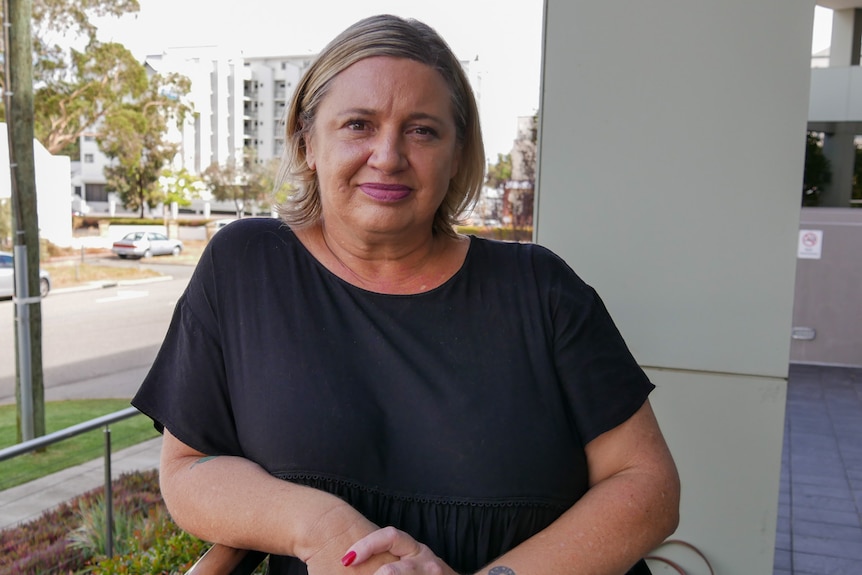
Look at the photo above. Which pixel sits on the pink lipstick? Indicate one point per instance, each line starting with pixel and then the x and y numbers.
pixel 385 192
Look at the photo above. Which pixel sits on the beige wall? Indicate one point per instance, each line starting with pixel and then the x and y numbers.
pixel 829 290
pixel 659 120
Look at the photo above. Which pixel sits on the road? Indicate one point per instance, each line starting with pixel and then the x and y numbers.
pixel 96 343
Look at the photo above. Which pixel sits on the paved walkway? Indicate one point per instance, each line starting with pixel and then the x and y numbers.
pixel 820 507
pixel 28 501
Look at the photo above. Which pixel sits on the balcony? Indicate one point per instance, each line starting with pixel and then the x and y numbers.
pixel 835 97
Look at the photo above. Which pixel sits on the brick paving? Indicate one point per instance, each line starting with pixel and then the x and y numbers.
pixel 819 529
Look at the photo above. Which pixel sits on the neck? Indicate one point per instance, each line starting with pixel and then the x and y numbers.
pixel 387 266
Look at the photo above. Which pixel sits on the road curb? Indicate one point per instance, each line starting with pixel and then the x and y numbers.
pixel 109 284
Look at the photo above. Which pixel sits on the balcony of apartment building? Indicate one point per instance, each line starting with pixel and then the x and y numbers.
pixel 250 89
pixel 835 104
pixel 280 93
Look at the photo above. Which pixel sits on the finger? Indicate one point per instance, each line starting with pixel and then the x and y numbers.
pixel 384 540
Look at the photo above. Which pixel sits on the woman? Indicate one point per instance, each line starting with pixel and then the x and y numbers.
pixel 358 385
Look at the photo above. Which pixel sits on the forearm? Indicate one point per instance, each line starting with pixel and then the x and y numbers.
pixel 235 502
pixel 615 524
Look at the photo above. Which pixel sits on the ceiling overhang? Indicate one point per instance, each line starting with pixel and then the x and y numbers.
pixel 840 4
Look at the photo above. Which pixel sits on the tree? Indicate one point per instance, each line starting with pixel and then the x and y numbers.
pixel 249 187
pixel 857 175
pixel 521 190
pixel 180 186
pixel 135 137
pixel 99 80
pixel 818 170
pixel 499 174
pixel 267 188
pixel 5 222
pixel 225 182
pixel 64 20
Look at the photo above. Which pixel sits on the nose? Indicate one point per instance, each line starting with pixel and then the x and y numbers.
pixel 387 152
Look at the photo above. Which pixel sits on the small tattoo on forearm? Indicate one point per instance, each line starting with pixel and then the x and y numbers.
pixel 500 571
pixel 203 460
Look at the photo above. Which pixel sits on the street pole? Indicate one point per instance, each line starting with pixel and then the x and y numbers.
pixel 18 98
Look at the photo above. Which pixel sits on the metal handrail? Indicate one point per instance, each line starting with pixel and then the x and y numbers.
pixel 71 431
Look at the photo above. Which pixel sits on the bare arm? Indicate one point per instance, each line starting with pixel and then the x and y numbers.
pixel 233 501
pixel 632 505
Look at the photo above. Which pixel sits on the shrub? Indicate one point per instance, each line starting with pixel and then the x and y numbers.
pixel 70 539
pixel 158 548
pixel 42 545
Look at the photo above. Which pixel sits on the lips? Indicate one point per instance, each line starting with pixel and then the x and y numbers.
pixel 385 192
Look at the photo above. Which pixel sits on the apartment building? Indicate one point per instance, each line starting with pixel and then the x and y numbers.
pixel 237 103
pixel 268 86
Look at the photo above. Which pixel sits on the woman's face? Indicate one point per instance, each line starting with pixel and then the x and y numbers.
pixel 384 146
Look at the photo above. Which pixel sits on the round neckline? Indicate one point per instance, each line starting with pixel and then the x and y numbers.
pixel 470 237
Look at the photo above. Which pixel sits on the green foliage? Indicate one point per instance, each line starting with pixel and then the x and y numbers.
pixel 73 16
pixel 42 546
pixel 269 189
pixel 507 234
pixel 247 186
pixel 500 173
pixel 180 186
pixel 72 451
pixel 159 548
pixel 857 176
pixel 5 222
pixel 70 539
pixel 90 537
pixel 66 21
pixel 95 85
pixel 818 170
pixel 134 136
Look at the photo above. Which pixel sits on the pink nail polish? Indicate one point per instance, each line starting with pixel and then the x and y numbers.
pixel 348 559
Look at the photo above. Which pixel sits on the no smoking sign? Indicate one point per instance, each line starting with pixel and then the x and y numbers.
pixel 810 244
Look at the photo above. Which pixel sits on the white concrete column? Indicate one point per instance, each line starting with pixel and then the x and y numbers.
pixel 671 151
pixel 844 32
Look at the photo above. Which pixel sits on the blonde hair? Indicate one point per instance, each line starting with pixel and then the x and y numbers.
pixel 382 35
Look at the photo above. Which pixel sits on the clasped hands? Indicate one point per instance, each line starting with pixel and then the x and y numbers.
pixel 410 556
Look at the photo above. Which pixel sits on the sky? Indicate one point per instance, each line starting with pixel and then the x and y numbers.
pixel 501 39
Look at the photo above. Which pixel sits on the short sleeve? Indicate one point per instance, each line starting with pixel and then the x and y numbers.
pixel 185 390
pixel 601 380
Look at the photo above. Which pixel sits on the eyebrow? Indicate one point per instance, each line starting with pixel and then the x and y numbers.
pixel 371 112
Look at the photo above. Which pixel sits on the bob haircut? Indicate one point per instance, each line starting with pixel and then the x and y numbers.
pixel 382 35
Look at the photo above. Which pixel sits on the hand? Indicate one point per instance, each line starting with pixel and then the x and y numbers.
pixel 413 557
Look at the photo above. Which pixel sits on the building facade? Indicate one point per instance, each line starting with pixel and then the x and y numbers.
pixel 238 109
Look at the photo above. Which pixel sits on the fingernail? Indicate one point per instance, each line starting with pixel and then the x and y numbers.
pixel 348 559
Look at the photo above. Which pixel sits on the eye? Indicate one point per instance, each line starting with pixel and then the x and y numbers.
pixel 425 131
pixel 356 125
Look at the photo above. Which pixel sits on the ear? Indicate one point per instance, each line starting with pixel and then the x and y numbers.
pixel 310 159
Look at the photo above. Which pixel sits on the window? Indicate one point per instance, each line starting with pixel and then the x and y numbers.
pixel 89 158
pixel 96 193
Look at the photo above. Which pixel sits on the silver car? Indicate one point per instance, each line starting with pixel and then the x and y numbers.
pixel 7 277
pixel 146 244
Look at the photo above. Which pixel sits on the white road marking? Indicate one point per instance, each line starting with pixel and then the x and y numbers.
pixel 123 295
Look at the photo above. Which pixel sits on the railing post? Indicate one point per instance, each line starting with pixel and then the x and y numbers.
pixel 109 497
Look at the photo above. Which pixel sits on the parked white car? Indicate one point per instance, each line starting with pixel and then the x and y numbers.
pixel 7 277
pixel 146 244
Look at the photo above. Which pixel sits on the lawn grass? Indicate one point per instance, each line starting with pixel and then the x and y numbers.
pixel 73 451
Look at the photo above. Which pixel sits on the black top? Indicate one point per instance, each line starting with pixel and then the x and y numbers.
pixel 459 415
